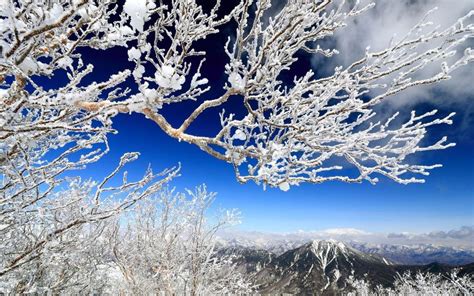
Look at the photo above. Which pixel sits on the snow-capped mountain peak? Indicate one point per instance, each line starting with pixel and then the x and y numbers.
pixel 323 265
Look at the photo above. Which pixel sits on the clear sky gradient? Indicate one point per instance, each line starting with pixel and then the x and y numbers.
pixel 444 202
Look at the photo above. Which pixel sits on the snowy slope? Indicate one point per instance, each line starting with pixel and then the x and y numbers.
pixel 323 266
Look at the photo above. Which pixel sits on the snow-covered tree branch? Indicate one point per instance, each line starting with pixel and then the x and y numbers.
pixel 306 130
pixel 47 216
pixel 295 132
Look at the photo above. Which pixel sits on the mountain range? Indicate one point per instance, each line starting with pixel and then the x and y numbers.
pixel 326 267
pixel 408 254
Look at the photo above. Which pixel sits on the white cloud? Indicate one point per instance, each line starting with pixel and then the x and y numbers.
pixel 391 19
pixel 458 238
pixel 461 234
pixel 344 232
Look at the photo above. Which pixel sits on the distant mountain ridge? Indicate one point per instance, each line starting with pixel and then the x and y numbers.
pixel 420 254
pixel 415 254
pixel 322 267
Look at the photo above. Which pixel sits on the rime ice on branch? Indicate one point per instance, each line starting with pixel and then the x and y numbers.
pixel 306 131
pixel 51 221
pixel 56 230
pixel 292 133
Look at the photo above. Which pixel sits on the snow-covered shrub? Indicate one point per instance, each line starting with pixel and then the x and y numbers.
pixel 419 284
pixel 167 246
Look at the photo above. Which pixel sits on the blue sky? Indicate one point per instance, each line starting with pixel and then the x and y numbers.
pixel 444 202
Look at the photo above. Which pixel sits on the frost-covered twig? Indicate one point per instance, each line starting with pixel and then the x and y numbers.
pixel 306 130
